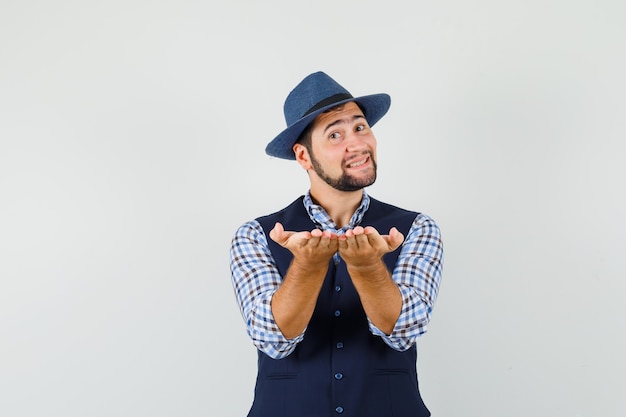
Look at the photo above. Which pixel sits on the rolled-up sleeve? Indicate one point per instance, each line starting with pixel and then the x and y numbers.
pixel 255 279
pixel 418 275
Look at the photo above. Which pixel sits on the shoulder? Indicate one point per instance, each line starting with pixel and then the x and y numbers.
pixel 250 230
pixel 388 208
pixel 420 217
pixel 424 227
pixel 423 219
pixel 281 213
pixel 420 222
pixel 254 229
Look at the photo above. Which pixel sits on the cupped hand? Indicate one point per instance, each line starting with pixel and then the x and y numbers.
pixel 363 246
pixel 314 247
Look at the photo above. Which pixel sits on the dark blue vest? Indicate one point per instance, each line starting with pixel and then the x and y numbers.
pixel 339 369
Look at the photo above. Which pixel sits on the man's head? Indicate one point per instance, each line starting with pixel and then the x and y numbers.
pixel 314 95
pixel 339 148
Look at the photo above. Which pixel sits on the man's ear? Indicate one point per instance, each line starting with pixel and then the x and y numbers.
pixel 302 156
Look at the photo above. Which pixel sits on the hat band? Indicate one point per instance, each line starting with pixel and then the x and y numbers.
pixel 328 100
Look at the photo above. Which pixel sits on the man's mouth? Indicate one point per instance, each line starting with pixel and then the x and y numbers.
pixel 358 162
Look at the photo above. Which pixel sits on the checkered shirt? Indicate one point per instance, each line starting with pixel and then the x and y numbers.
pixel 255 278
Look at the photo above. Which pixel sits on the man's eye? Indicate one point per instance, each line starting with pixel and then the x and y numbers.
pixel 334 135
pixel 360 127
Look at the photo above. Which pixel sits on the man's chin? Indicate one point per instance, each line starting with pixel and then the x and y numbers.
pixel 353 184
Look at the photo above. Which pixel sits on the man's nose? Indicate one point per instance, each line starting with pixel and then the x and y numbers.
pixel 355 142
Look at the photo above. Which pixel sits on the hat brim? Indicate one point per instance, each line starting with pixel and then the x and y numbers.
pixel 374 106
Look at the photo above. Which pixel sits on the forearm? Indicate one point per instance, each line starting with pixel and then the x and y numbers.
pixel 380 296
pixel 294 301
pixel 255 280
pixel 417 273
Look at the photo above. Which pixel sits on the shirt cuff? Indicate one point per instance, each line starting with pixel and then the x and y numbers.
pixel 401 337
pixel 266 335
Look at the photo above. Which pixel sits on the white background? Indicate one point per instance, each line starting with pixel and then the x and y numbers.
pixel 131 148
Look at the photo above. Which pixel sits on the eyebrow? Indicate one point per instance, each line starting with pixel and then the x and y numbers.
pixel 343 120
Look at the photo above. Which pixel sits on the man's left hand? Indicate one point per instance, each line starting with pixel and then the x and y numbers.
pixel 364 246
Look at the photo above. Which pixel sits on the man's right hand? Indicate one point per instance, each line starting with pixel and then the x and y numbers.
pixel 294 301
pixel 308 248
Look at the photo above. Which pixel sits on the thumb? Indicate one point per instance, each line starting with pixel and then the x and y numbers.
pixel 395 238
pixel 277 234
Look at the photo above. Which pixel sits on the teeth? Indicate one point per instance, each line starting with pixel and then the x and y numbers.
pixel 356 164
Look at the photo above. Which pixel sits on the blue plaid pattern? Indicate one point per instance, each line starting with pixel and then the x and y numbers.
pixel 255 278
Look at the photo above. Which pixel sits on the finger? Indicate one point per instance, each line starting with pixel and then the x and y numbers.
pixel 350 239
pixel 321 238
pixel 342 241
pixel 328 241
pixel 288 239
pixel 362 240
pixel 330 234
pixel 369 230
pixel 395 238
pixel 317 239
pixel 277 234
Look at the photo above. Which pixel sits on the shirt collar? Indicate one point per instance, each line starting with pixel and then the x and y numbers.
pixel 320 217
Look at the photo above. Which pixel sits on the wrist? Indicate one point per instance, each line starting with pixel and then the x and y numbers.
pixel 376 268
pixel 308 267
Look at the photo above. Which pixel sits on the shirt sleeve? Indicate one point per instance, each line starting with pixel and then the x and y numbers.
pixel 255 279
pixel 418 275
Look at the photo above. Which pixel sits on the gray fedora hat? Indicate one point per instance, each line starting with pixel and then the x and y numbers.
pixel 310 98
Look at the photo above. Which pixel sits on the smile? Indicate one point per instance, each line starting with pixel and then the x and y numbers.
pixel 359 162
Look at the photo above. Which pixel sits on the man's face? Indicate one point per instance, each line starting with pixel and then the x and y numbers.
pixel 343 149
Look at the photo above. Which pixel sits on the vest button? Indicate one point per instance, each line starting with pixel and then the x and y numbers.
pixel 338 375
pixel 339 410
pixel 337 288
pixel 337 313
pixel 339 345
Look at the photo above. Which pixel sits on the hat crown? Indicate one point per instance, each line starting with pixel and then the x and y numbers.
pixel 313 92
pixel 314 95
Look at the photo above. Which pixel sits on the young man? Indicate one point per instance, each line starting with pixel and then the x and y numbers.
pixel 336 287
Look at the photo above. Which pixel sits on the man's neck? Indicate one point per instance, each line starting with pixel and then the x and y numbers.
pixel 340 205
